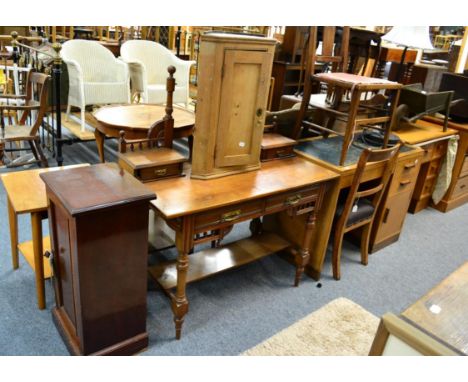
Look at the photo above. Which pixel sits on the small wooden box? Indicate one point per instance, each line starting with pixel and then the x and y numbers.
pixel 276 146
pixel 154 164
pixel 98 218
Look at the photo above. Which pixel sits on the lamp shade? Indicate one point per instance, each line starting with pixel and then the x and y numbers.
pixel 411 37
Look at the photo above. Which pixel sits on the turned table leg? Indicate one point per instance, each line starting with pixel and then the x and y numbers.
pixel 13 220
pixel 303 255
pixel 184 244
pixel 100 144
pixel 36 223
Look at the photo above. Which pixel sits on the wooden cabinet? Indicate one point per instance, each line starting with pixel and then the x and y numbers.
pixel 457 193
pixel 234 78
pixel 99 233
pixel 391 214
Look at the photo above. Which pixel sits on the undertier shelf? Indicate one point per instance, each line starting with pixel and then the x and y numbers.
pixel 26 249
pixel 215 260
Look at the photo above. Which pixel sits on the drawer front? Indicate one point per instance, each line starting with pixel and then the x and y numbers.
pixel 428 151
pixel 405 176
pixel 293 198
pixel 159 172
pixel 277 153
pixel 228 215
pixel 428 188
pixel 464 170
pixel 434 168
pixel 461 188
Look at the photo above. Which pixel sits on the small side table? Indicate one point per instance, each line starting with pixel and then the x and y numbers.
pixel 359 112
pixel 26 195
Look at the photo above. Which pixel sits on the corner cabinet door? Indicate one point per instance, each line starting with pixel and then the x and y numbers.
pixel 245 82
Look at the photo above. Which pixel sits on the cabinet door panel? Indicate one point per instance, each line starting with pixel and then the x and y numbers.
pixel 65 263
pixel 394 216
pixel 242 107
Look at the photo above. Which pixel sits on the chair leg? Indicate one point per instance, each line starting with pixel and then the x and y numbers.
pixel 83 120
pixel 34 150
pixel 67 115
pixel 336 256
pixel 365 243
pixel 42 157
pixel 2 148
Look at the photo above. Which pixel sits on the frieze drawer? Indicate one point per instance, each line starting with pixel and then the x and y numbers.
pixel 292 198
pixel 228 215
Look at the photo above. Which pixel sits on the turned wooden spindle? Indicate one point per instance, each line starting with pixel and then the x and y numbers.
pixel 122 142
pixel 168 119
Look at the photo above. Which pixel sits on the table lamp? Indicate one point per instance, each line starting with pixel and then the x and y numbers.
pixel 408 37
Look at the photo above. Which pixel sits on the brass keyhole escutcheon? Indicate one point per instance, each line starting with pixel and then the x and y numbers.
pixel 259 112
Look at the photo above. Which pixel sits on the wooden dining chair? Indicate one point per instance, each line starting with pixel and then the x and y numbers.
pixel 334 51
pixel 359 207
pixel 26 129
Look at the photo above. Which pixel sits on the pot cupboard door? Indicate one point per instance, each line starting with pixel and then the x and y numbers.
pixel 242 107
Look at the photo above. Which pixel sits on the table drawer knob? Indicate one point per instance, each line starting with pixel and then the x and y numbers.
pixel 160 172
pixel 230 216
pixel 293 200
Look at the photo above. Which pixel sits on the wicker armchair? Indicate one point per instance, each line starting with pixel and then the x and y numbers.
pixel 148 62
pixel 96 77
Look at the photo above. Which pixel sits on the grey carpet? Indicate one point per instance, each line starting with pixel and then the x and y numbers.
pixel 232 312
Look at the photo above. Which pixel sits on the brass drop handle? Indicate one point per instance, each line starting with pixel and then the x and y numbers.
pixel 292 200
pixel 160 172
pixel 230 216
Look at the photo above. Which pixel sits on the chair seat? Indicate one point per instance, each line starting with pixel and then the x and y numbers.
pixel 16 133
pixel 349 80
pixel 364 211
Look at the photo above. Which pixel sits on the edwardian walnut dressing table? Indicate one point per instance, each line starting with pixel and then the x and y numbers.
pixel 26 194
pixel 205 211
pixel 135 121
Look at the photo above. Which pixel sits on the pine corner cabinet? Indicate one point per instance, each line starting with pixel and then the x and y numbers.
pixel 98 218
pixel 234 79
